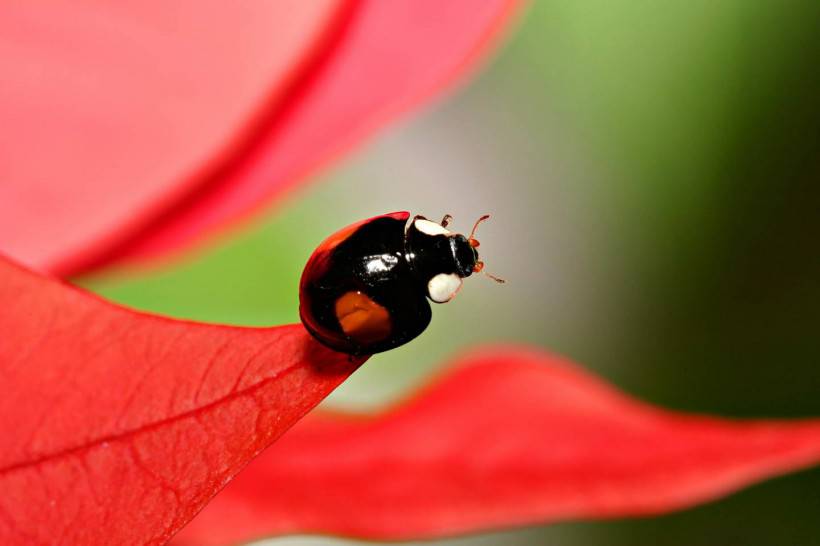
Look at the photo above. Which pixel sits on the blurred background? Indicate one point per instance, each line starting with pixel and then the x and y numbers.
pixel 652 169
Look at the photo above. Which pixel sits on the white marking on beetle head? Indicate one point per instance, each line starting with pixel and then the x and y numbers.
pixel 444 287
pixel 431 228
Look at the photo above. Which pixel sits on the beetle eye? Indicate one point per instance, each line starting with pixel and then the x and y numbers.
pixel 478 267
pixel 474 243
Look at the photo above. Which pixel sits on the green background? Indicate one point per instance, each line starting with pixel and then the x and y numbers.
pixel 652 169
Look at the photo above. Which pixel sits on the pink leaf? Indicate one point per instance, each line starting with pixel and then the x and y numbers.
pixel 511 437
pixel 130 129
pixel 119 426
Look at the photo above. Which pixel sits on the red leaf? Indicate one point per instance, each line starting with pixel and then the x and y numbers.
pixel 112 112
pixel 118 426
pixel 511 437
pixel 131 128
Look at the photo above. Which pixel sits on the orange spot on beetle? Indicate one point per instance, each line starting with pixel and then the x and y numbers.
pixel 362 319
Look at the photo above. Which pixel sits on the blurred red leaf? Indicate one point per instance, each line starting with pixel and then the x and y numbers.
pixel 129 129
pixel 112 112
pixel 117 427
pixel 509 438
pixel 390 57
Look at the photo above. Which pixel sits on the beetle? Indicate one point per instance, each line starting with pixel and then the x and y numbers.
pixel 365 288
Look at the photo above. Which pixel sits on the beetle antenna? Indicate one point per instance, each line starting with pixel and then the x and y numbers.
pixel 475 226
pixel 446 220
pixel 479 268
